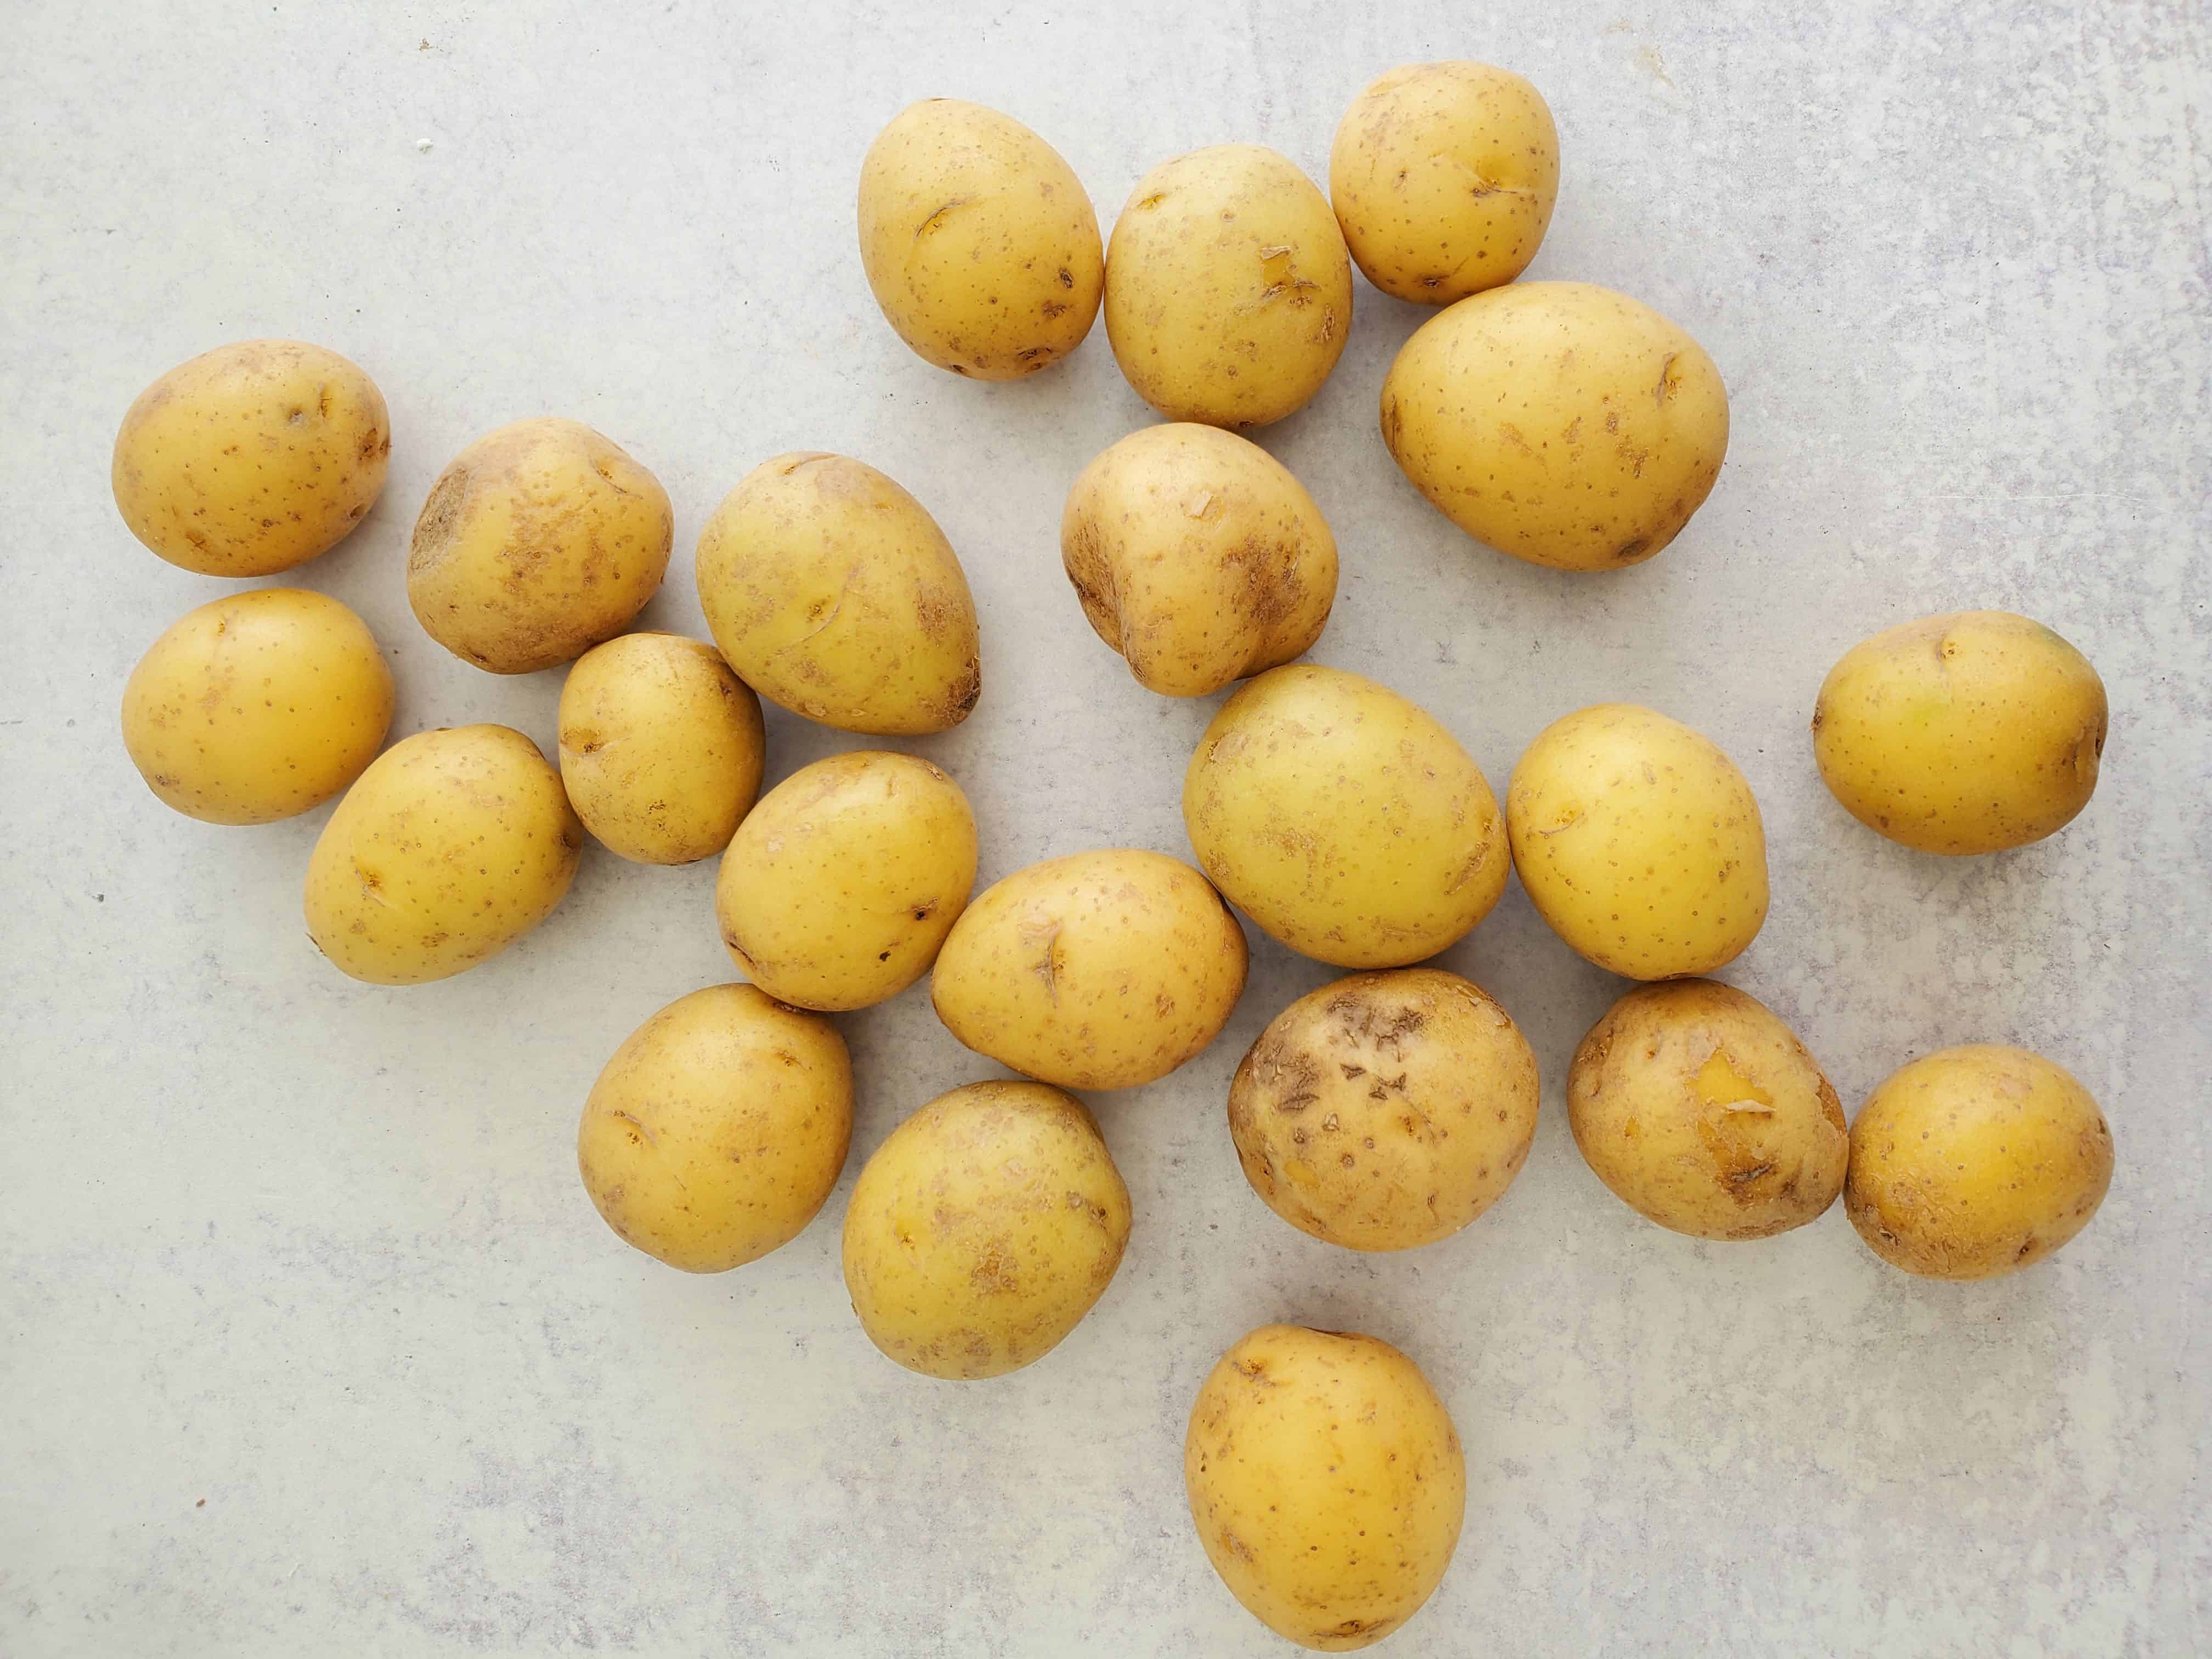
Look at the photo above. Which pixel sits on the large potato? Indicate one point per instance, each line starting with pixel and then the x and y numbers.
pixel 1327 1483
pixel 1343 819
pixel 1560 423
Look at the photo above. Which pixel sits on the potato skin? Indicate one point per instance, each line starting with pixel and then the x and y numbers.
pixel 1968 733
pixel 1327 1483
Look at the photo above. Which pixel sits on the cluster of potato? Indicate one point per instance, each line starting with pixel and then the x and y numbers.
pixel 1560 423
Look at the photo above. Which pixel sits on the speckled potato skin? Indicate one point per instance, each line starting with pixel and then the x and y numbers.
pixel 983 1230
pixel 256 707
pixel 834 594
pixel 252 458
pixel 1344 819
pixel 718 1130
pixel 1444 177
pixel 841 885
pixel 1327 1483
pixel 539 541
pixel 1639 842
pixel 1228 287
pixel 1099 970
pixel 1560 423
pixel 1702 1111
pixel 452 846
pixel 1386 1110
pixel 1975 1162
pixel 1970 732
pixel 979 241
pixel 1198 558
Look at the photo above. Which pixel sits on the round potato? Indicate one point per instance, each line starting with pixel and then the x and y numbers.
pixel 1327 1483
pixel 253 458
pixel 1343 819
pixel 1228 289
pixel 256 707
pixel 841 885
pixel 1975 1162
pixel 1970 732
pixel 983 1230
pixel 1100 971
pixel 979 241
pixel 1386 1110
pixel 452 846
pixel 1197 556
pixel 1560 423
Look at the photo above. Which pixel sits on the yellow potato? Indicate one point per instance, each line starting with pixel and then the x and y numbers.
pixel 539 541
pixel 1197 556
pixel 256 707
pixel 1327 1483
pixel 1100 971
pixel 1343 819
pixel 979 241
pixel 834 594
pixel 1560 423
pixel 1228 289
pixel 1385 1110
pixel 983 1230
pixel 253 458
pixel 1975 1162
pixel 1640 842
pixel 452 846
pixel 1969 732
pixel 843 882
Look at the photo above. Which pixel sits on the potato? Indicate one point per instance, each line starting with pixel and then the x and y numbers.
pixel 1703 1112
pixel 1344 820
pixel 834 594
pixel 1970 732
pixel 1444 177
pixel 1327 1483
pixel 979 241
pixel 1976 1161
pixel 1560 423
pixel 1100 971
pixel 983 1230
pixel 452 846
pixel 252 458
pixel 539 541
pixel 843 882
pixel 1385 1110
pixel 256 707
pixel 719 1128
pixel 1197 556
pixel 1228 289
pixel 1640 842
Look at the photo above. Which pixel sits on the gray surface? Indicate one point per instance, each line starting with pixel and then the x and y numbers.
pixel 308 1336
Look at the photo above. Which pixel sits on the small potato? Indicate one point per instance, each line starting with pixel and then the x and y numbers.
pixel 252 458
pixel 1327 1483
pixel 834 594
pixel 1703 1112
pixel 979 241
pixel 1386 1110
pixel 540 540
pixel 841 885
pixel 1343 819
pixel 1970 732
pixel 452 846
pixel 256 707
pixel 1640 842
pixel 983 1230
pixel 1100 971
pixel 1197 556
pixel 1228 289
pixel 1976 1161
